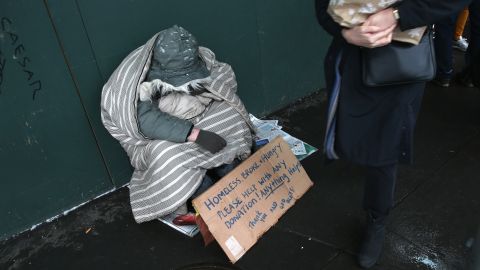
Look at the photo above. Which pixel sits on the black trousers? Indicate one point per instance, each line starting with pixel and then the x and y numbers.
pixel 444 32
pixel 379 190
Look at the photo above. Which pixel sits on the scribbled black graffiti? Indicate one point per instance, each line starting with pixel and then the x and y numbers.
pixel 37 86
pixel 3 61
pixel 19 56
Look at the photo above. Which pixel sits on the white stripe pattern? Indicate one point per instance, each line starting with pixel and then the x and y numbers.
pixel 166 174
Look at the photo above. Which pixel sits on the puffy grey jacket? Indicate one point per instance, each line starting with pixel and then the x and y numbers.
pixel 158 125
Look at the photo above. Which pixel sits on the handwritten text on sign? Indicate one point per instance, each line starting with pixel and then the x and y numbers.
pixel 254 195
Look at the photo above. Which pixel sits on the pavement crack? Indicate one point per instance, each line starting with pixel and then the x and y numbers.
pixel 309 237
pixel 332 259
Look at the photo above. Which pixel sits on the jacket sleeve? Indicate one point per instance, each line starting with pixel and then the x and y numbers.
pixel 326 20
pixel 158 125
pixel 416 13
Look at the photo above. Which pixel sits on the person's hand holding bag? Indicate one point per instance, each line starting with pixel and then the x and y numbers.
pixel 384 19
pixel 368 36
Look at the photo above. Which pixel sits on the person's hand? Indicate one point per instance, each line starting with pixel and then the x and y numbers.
pixel 383 19
pixel 368 36
pixel 207 140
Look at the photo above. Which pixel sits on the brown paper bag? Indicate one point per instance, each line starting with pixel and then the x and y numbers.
pixel 350 13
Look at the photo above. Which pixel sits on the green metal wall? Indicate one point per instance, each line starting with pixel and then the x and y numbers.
pixel 55 56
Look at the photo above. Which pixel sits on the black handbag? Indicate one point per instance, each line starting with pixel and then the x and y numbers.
pixel 399 63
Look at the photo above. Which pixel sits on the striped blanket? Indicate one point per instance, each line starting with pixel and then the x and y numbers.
pixel 166 174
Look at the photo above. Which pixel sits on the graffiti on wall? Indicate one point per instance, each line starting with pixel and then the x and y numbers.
pixel 3 61
pixel 19 56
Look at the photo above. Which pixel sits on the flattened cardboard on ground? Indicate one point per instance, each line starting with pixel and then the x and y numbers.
pixel 245 203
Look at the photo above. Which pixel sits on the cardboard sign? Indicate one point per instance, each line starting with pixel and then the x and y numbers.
pixel 249 200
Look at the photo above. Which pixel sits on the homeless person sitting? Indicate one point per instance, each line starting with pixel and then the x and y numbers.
pixel 173 107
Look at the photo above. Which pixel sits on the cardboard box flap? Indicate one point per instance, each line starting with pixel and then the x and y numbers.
pixel 249 200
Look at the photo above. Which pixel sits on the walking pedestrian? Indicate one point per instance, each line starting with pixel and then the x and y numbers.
pixel 465 77
pixel 374 126
pixel 444 30
pixel 459 42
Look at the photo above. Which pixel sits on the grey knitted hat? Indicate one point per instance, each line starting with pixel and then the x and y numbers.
pixel 176 60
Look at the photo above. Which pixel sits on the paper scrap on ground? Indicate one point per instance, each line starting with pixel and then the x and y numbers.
pixel 189 230
pixel 269 130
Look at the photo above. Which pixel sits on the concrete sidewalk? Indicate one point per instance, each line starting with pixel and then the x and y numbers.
pixel 437 209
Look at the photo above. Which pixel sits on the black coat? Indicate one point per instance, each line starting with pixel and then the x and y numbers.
pixel 375 124
pixel 476 67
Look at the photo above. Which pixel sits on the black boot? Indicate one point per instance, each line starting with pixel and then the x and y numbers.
pixel 372 243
